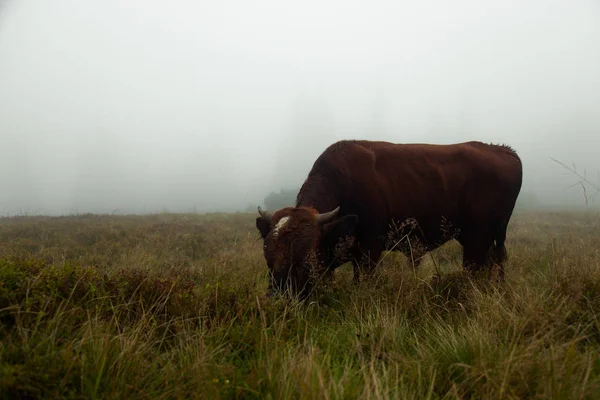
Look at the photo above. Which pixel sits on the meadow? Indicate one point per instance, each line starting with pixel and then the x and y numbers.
pixel 171 306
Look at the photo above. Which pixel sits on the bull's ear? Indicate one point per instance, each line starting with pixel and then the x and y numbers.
pixel 263 225
pixel 340 227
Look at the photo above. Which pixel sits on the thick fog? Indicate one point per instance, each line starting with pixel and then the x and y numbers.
pixel 140 106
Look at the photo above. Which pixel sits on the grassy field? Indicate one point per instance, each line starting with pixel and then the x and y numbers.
pixel 173 306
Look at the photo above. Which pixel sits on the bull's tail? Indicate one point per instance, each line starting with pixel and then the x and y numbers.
pixel 498 251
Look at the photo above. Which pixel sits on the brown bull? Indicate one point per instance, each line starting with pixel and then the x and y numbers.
pixel 363 197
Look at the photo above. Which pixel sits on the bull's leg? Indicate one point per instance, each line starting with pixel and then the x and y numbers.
pixel 360 265
pixel 498 258
pixel 475 255
pixel 473 261
pixel 415 259
pixel 366 260
pixel 356 270
pixel 499 252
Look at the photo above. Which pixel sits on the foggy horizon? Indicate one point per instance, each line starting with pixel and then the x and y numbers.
pixel 137 108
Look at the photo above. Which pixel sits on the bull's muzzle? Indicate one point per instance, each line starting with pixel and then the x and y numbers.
pixel 277 284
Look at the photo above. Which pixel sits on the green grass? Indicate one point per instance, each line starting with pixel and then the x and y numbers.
pixel 173 306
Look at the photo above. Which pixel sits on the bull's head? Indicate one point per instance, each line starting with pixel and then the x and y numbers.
pixel 294 242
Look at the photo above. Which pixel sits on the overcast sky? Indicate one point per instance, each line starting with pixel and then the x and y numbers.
pixel 143 105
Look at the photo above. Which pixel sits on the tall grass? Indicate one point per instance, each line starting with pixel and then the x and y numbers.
pixel 173 306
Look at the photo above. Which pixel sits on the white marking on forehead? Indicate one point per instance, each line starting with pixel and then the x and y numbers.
pixel 280 224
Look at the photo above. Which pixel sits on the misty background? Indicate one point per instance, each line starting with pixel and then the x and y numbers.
pixel 140 106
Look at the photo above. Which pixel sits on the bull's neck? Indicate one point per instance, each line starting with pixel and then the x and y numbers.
pixel 319 193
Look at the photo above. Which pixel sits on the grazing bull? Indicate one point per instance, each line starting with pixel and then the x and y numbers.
pixel 362 197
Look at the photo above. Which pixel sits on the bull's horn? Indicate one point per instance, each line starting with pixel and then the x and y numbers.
pixel 326 217
pixel 265 214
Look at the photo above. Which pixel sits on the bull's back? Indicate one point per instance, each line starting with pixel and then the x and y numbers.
pixel 383 179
